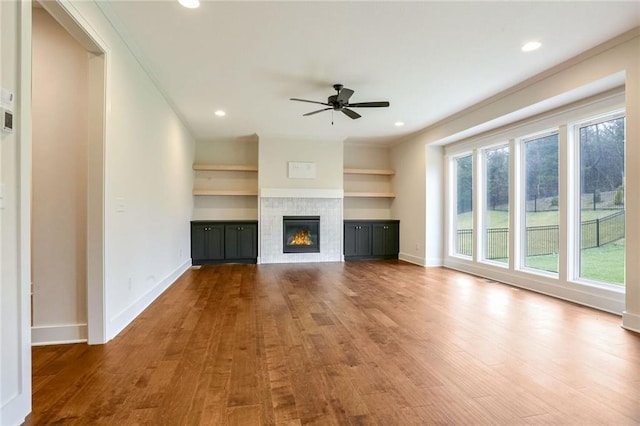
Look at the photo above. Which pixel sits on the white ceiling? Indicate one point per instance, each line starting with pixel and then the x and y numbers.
pixel 428 59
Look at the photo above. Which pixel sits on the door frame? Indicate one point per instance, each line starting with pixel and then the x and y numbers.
pixel 73 22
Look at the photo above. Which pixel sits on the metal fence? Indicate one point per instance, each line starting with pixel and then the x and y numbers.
pixel 605 200
pixel 543 240
pixel 598 232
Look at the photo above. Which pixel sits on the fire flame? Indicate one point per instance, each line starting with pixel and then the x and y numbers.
pixel 301 238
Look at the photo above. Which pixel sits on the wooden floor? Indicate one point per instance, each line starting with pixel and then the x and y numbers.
pixel 357 343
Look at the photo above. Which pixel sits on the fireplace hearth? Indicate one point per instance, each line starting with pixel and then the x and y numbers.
pixel 301 234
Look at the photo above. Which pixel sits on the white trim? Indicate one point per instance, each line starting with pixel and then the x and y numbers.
pixel 14 408
pixel 534 126
pixel 124 318
pixel 300 193
pixel 631 321
pixel 74 22
pixel 420 261
pixel 593 297
pixel 58 334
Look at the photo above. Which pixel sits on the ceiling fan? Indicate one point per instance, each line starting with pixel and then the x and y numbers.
pixel 340 102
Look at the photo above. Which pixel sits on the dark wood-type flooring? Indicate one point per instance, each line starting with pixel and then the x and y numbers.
pixel 358 343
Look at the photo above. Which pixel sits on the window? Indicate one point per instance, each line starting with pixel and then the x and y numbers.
pixel 548 206
pixel 602 201
pixel 541 231
pixel 464 205
pixel 496 212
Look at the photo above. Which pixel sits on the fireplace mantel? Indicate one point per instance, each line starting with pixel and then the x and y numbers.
pixel 301 193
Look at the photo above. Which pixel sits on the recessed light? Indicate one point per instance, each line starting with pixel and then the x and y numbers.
pixel 190 4
pixel 220 113
pixel 530 46
pixel 399 123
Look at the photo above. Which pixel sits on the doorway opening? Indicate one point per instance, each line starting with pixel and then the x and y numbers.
pixel 67 175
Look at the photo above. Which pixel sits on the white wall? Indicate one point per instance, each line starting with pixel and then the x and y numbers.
pixel 227 151
pixel 59 198
pixel 148 189
pixel 148 203
pixel 15 336
pixel 620 54
pixel 275 152
pixel 409 162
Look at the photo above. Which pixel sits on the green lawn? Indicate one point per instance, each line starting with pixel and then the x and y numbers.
pixel 605 263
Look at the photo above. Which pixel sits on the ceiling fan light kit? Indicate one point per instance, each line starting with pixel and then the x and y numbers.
pixel 340 102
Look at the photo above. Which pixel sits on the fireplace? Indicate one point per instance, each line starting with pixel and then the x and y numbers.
pixel 301 234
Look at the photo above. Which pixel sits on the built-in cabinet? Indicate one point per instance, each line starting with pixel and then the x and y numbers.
pixel 224 242
pixel 371 239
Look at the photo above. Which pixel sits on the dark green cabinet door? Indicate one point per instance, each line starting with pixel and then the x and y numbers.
pixel 385 239
pixel 357 239
pixel 198 244
pixel 241 241
pixel 350 244
pixel 207 242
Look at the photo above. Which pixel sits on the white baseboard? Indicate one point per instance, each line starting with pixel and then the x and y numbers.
pixel 124 318
pixel 412 259
pixel 14 410
pixel 434 262
pixel 631 321
pixel 58 334
pixel 594 297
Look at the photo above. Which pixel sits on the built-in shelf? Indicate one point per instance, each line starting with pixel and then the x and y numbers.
pixel 385 172
pixel 370 194
pixel 240 193
pixel 249 192
pixel 225 167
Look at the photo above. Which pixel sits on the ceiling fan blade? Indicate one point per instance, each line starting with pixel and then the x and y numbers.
pixel 311 102
pixel 369 104
pixel 344 95
pixel 350 113
pixel 315 112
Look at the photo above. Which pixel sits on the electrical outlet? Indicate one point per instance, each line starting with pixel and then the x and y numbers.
pixel 417 246
pixel 130 284
pixel 121 205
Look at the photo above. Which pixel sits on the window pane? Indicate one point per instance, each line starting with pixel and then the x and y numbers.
pixel 497 205
pixel 602 211
pixel 541 212
pixel 464 206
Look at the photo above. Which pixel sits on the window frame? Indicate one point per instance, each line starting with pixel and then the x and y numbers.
pixel 482 203
pixel 574 217
pixel 522 207
pixel 453 204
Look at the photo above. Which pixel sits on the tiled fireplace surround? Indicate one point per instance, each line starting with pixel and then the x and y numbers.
pixel 276 203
